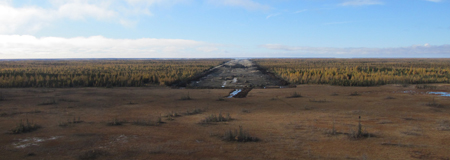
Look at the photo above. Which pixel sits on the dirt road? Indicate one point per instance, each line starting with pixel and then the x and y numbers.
pixel 239 73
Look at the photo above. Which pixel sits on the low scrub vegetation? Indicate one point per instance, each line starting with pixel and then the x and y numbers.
pixel 140 122
pixel 220 99
pixel 333 130
pixel 318 100
pixel 67 100
pixel 116 122
pixel 186 97
pixel 92 154
pixel 444 125
pixel 216 118
pixel 389 97
pixel 70 121
pixel 359 133
pixel 195 111
pixel 434 103
pixel 426 86
pixel 173 114
pixel 294 95
pixel 24 127
pixel 48 102
pixel 239 135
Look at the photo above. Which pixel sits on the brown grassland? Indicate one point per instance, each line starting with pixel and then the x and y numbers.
pixel 122 123
pixel 129 109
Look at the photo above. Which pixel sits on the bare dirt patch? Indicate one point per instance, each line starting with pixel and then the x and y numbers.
pixel 240 73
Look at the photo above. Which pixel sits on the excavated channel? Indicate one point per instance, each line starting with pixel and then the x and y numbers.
pixel 239 74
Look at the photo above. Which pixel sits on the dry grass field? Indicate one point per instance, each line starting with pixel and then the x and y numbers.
pixel 320 122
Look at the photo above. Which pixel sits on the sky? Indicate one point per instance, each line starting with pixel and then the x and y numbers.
pixel 43 29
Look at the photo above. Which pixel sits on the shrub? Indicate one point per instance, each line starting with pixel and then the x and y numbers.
pixel 239 136
pixel 354 94
pixel 213 118
pixel 148 122
pixel 159 121
pixel 318 101
pixel 390 97
pixel 70 121
pixel 67 100
pixel 92 154
pixel 294 95
pixel 220 99
pixel 187 97
pixel 444 125
pixel 425 87
pixel 144 123
pixel 434 104
pixel 332 131
pixel 173 114
pixel 115 122
pixel 360 133
pixel 25 127
pixel 195 111
pixel 48 102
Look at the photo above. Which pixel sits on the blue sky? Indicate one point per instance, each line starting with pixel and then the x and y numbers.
pixel 224 28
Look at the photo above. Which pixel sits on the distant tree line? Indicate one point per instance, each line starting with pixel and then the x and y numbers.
pixel 99 73
pixel 359 72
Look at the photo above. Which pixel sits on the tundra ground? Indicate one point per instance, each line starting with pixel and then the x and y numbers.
pixel 307 122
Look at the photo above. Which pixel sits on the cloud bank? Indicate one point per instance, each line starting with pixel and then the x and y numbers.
pixel 411 51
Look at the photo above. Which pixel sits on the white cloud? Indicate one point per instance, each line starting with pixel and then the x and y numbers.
pixel 361 2
pixel 247 4
pixel 434 0
pixel 27 46
pixel 83 10
pixel 12 19
pixel 27 19
pixel 415 50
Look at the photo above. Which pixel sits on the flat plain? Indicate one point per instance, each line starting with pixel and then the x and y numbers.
pixel 306 122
